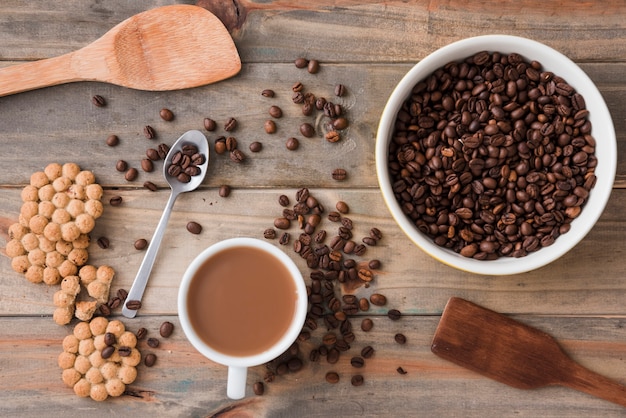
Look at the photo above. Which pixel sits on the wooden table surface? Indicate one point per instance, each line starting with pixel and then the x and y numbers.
pixel 368 47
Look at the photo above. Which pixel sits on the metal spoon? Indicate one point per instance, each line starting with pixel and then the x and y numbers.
pixel 198 139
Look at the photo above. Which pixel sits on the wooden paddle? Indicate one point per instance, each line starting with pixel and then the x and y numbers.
pixel 513 353
pixel 167 48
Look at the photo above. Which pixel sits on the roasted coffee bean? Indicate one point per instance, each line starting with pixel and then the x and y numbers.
pixel 332 136
pixel 292 144
pixel 150 359
pixel 237 156
pixel 400 338
pixel 256 146
pixel 313 66
pixel 153 342
pixel 230 125
pixel 131 174
pixel 297 87
pixel 149 132
pixel 283 200
pixel 364 304
pixel 357 362
pixel 270 126
pixel 394 314
pixel 367 324
pixel 268 93
pixel 107 352
pixel 121 166
pixel 209 124
pixel 124 351
pixel 342 207
pixel 122 294
pixel 115 303
pixel 150 186
pixel 400 370
pixel 340 90
pixel 133 305
pixel 332 377
pixel 146 165
pixel 194 227
pixel 166 114
pixel 284 239
pixel 340 123
pixel 105 310
pixel 282 223
pixel 258 388
pixel 103 242
pixel 269 233
pixel 276 112
pixel 153 154
pixel 339 174
pixel 378 299
pixel 141 244
pixel 357 380
pixel 374 264
pixel 307 130
pixel 112 140
pixel 333 356
pixel 301 62
pixel 115 201
pixel 166 329
pixel 98 101
pixel 367 352
pixel 141 333
pixel 109 338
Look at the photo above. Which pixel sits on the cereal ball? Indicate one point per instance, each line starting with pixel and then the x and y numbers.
pixel 28 210
pixel 37 257
pixel 37 223
pixel 70 344
pixel 127 339
pixel 71 284
pixel 53 171
pixel 54 259
pixel 98 392
pixel 98 341
pixel 99 291
pixel 47 192
pixel 109 370
pixel 63 316
pixel 75 207
pixel 98 325
pixel 76 191
pixel 61 184
pixel 67 268
pixel 69 231
pixel 127 374
pixel 86 347
pixel 82 388
pixel 70 377
pixel 116 327
pixel 70 170
pixel 78 256
pixel 14 248
pixel 96 360
pixel 87 274
pixel 85 223
pixel 82 331
pixel 85 310
pixel 61 216
pixel 66 360
pixel 39 179
pixel 60 200
pixel 82 241
pixel 115 387
pixel 17 231
pixel 30 241
pixel 93 375
pixel 46 245
pixel 20 264
pixel 105 274
pixel 94 191
pixel 133 359
pixel 34 274
pixel 51 276
pixel 30 194
pixel 60 299
pixel 94 208
pixel 82 364
pixel 64 247
pixel 85 178
pixel 46 208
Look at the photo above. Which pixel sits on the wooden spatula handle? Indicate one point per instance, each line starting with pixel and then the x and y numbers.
pixel 590 382
pixel 33 75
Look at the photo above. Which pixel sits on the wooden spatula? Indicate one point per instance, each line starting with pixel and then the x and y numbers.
pixel 513 353
pixel 167 48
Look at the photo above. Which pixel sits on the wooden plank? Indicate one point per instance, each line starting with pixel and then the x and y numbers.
pixel 184 383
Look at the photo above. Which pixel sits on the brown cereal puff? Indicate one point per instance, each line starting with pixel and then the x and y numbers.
pixel 99 291
pixel 94 191
pixel 82 364
pixel 85 178
pixel 82 331
pixel 127 339
pixel 115 387
pixel 94 376
pixel 116 327
pixel 98 325
pixel 37 257
pixel 98 340
pixel 64 247
pixel 61 216
pixel 39 179
pixel 54 259
pixel 20 264
pixel 127 374
pixel 70 170
pixel 82 388
pixel 82 241
pixel 60 200
pixel 34 274
pixel 76 191
pixel 75 207
pixel 28 210
pixel 66 360
pixel 61 184
pixel 78 256
pixel 63 316
pixel 60 299
pixel 69 231
pixel 37 224
pixel 96 360
pixel 47 192
pixel 70 344
pixel 87 274
pixel 70 377
pixel 94 208
pixel 51 276
pixel 109 370
pixel 14 248
pixel 67 268
pixel 17 231
pixel 133 359
pixel 98 392
pixel 30 241
pixel 29 194
pixel 105 274
pixel 86 347
pixel 85 310
pixel 85 223
pixel 46 245
pixel 53 171
pixel 46 208
pixel 71 284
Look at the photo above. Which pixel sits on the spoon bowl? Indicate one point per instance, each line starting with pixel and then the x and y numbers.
pixel 190 138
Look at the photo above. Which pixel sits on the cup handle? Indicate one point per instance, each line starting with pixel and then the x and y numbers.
pixel 236 386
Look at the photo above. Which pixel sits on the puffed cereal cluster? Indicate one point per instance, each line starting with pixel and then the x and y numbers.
pixel 99 359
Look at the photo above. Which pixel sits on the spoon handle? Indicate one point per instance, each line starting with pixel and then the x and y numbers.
pixel 37 74
pixel 141 280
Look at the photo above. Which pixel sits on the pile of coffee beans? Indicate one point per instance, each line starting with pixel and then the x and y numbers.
pixel 492 156
pixel 186 163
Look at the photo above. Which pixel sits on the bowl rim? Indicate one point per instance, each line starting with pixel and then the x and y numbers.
pixel 600 118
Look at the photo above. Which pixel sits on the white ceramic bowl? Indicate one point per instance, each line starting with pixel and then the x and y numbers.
pixel 602 130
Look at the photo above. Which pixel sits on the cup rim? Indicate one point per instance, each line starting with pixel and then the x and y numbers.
pixel 285 341
pixel 599 116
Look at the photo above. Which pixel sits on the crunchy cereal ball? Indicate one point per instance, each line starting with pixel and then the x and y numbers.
pixel 20 264
pixel 61 184
pixel 64 247
pixel 85 223
pixel 82 331
pixel 127 374
pixel 46 245
pixel 98 392
pixel 69 231
pixel 87 274
pixel 94 191
pixel 53 171
pixel 109 370
pixel 78 256
pixel 99 291
pixel 70 170
pixel 82 241
pixel 82 388
pixel 133 359
pixel 29 194
pixel 96 360
pixel 86 347
pixel 34 274
pixel 61 216
pixel 60 200
pixel 14 248
pixel 71 284
pixel 63 316
pixel 30 241
pixel 37 257
pixel 17 231
pixel 82 364
pixel 127 339
pixel 116 327
pixel 46 208
pixel 28 210
pixel 62 299
pixel 51 276
pixel 94 208
pixel 98 325
pixel 94 376
pixel 54 259
pixel 67 268
pixel 37 224
pixel 66 360
pixel 85 310
pixel 76 191
pixel 70 344
pixel 115 387
pixel 70 377
pixel 98 342
pixel 39 179
pixel 85 178
pixel 105 274
pixel 75 207
pixel 47 192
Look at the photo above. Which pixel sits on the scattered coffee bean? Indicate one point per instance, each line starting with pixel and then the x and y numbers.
pixel 256 146
pixel 122 294
pixel 237 156
pixel 110 338
pixel 276 112
pixel 357 362
pixel 230 125
pixel 340 123
pixel 149 132
pixel 400 370
pixel 307 130
pixel 114 303
pixel 153 154
pixel 367 324
pixel 150 359
pixel 339 174
pixel 340 90
pixel 141 244
pixel 301 62
pixel 124 351
pixel 283 200
pixel 133 305
pixel 112 140
pixel 150 186
pixel 166 114
pixel 121 166
pixel 364 304
pixel 258 388
pixel 141 333
pixel 224 190
pixel 153 342
pixel 394 314
pixel 115 201
pixel 378 299
pixel 166 329
pixel 209 124
pixel 103 242
pixel 374 264
pixel 194 227
pixel 333 356
pixel 270 126
pixel 98 101
pixel 268 93
pixel 313 66
pixel 332 377
pixel 131 174
pixel 284 238
pixel 292 144
pixel 357 380
pixel 400 338
pixel 342 207
pixel 105 310
pixel 146 165
pixel 367 351
pixel 107 352
pixel 269 233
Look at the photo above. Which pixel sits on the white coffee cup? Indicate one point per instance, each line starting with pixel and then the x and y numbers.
pixel 238 365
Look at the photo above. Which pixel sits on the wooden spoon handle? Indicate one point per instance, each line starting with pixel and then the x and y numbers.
pixel 590 382
pixel 36 74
